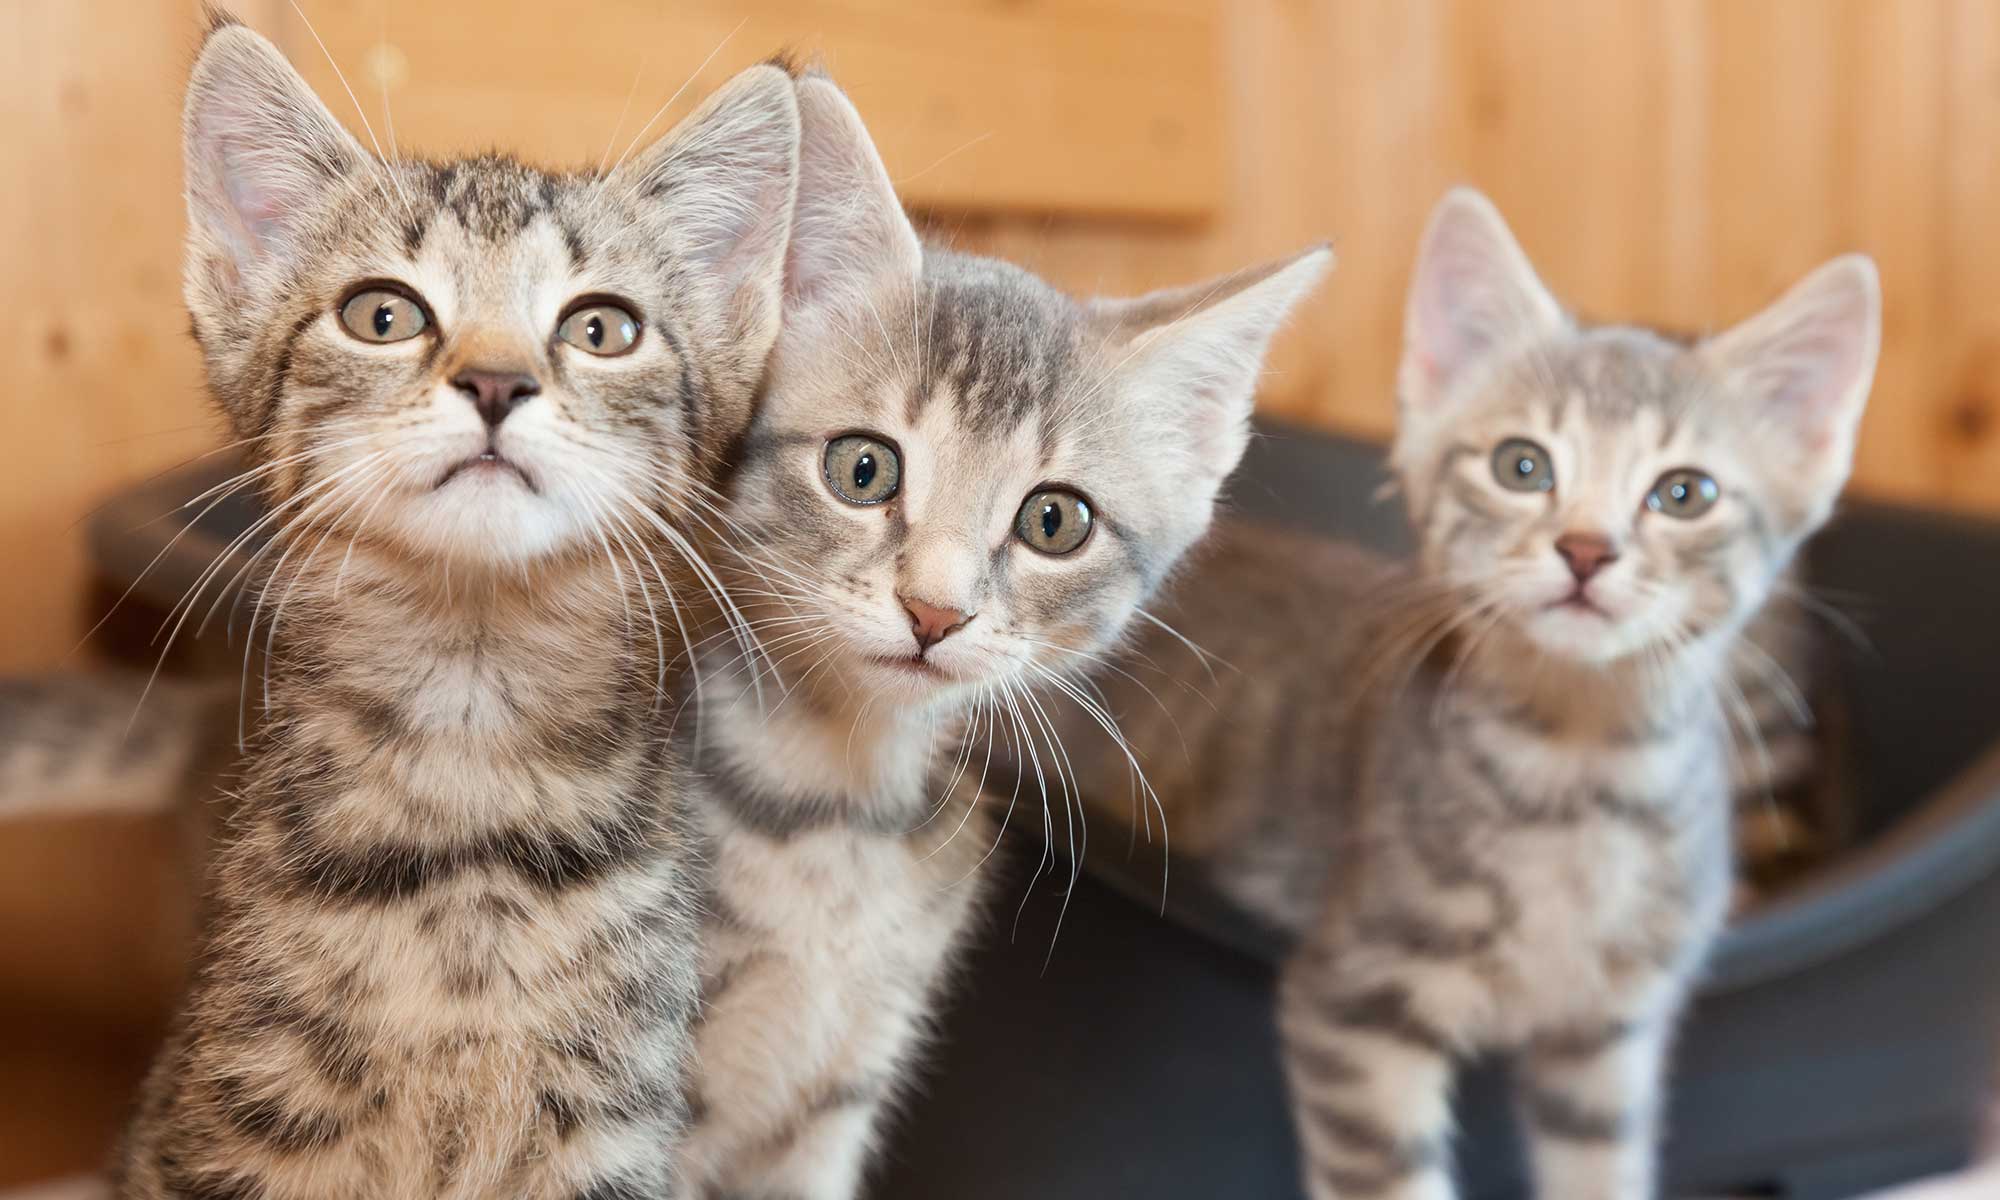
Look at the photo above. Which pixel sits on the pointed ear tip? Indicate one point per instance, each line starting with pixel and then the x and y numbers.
pixel 229 47
pixel 759 100
pixel 1848 288
pixel 1464 195
pixel 1464 213
pixel 766 81
pixel 816 80
pixel 819 94
pixel 790 62
pixel 227 35
pixel 1858 271
pixel 216 18
pixel 1305 269
pixel 1466 203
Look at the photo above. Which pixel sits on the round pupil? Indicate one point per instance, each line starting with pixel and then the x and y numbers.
pixel 1526 466
pixel 594 330
pixel 385 319
pixel 1679 492
pixel 864 470
pixel 1051 519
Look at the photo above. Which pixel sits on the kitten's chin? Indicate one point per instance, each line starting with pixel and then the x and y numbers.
pixel 1582 635
pixel 912 679
pixel 485 516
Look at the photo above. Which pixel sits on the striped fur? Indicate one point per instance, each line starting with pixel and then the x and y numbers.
pixel 843 836
pixel 837 787
pixel 1491 820
pixel 1537 851
pixel 451 943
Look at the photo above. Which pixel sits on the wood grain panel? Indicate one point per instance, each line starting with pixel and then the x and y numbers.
pixel 1678 164
pixel 103 385
pixel 1104 106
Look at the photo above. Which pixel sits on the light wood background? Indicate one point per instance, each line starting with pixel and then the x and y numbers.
pixel 1668 161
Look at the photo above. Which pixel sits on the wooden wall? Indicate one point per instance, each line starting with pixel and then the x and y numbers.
pixel 1670 161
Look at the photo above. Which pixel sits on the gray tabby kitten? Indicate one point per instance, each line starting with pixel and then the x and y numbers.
pixel 1490 791
pixel 451 942
pixel 960 480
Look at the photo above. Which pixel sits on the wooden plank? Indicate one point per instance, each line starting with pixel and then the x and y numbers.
pixel 1107 107
pixel 1891 166
pixel 103 385
pixel 1963 420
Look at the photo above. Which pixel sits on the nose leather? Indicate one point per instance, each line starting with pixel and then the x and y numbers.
pixel 931 623
pixel 1586 554
pixel 496 393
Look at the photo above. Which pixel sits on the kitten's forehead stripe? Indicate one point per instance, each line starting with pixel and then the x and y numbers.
pixel 1002 341
pixel 495 198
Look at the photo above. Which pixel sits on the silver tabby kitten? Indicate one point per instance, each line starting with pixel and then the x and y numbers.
pixel 451 942
pixel 959 480
pixel 1490 790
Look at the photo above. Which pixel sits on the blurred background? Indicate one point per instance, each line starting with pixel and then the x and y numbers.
pixel 1671 162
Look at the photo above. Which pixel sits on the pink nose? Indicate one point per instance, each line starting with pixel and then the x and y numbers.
pixel 1586 553
pixel 932 624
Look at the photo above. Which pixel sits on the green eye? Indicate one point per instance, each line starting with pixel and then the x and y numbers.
pixel 862 469
pixel 600 328
pixel 1684 492
pixel 1054 521
pixel 382 315
pixel 1523 466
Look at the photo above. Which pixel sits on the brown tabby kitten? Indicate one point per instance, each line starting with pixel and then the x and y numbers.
pixel 960 480
pixel 451 946
pixel 1490 790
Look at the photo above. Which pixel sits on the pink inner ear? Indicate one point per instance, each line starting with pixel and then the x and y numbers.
pixel 1445 343
pixel 256 207
pixel 1814 368
pixel 255 211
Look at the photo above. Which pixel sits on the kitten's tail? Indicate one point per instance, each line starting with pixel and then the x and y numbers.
pixel 85 744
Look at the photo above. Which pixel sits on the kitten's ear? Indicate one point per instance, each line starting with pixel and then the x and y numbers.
pixel 1473 293
pixel 850 231
pixel 724 181
pixel 1194 353
pixel 262 155
pixel 1805 365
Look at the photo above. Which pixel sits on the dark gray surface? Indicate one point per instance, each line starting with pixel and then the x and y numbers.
pixel 1845 1041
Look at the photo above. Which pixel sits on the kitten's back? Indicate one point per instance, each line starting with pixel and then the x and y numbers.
pixel 1237 739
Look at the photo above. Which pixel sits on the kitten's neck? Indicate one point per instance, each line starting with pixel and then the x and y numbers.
pixel 1630 698
pixel 464 652
pixel 803 737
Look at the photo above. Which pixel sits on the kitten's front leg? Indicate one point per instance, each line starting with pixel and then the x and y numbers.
pixel 1590 1105
pixel 819 1155
pixel 1370 1070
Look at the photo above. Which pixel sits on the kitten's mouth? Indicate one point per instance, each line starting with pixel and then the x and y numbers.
pixel 922 668
pixel 487 461
pixel 1579 601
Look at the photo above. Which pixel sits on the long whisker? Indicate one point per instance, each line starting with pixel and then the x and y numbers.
pixel 661 111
